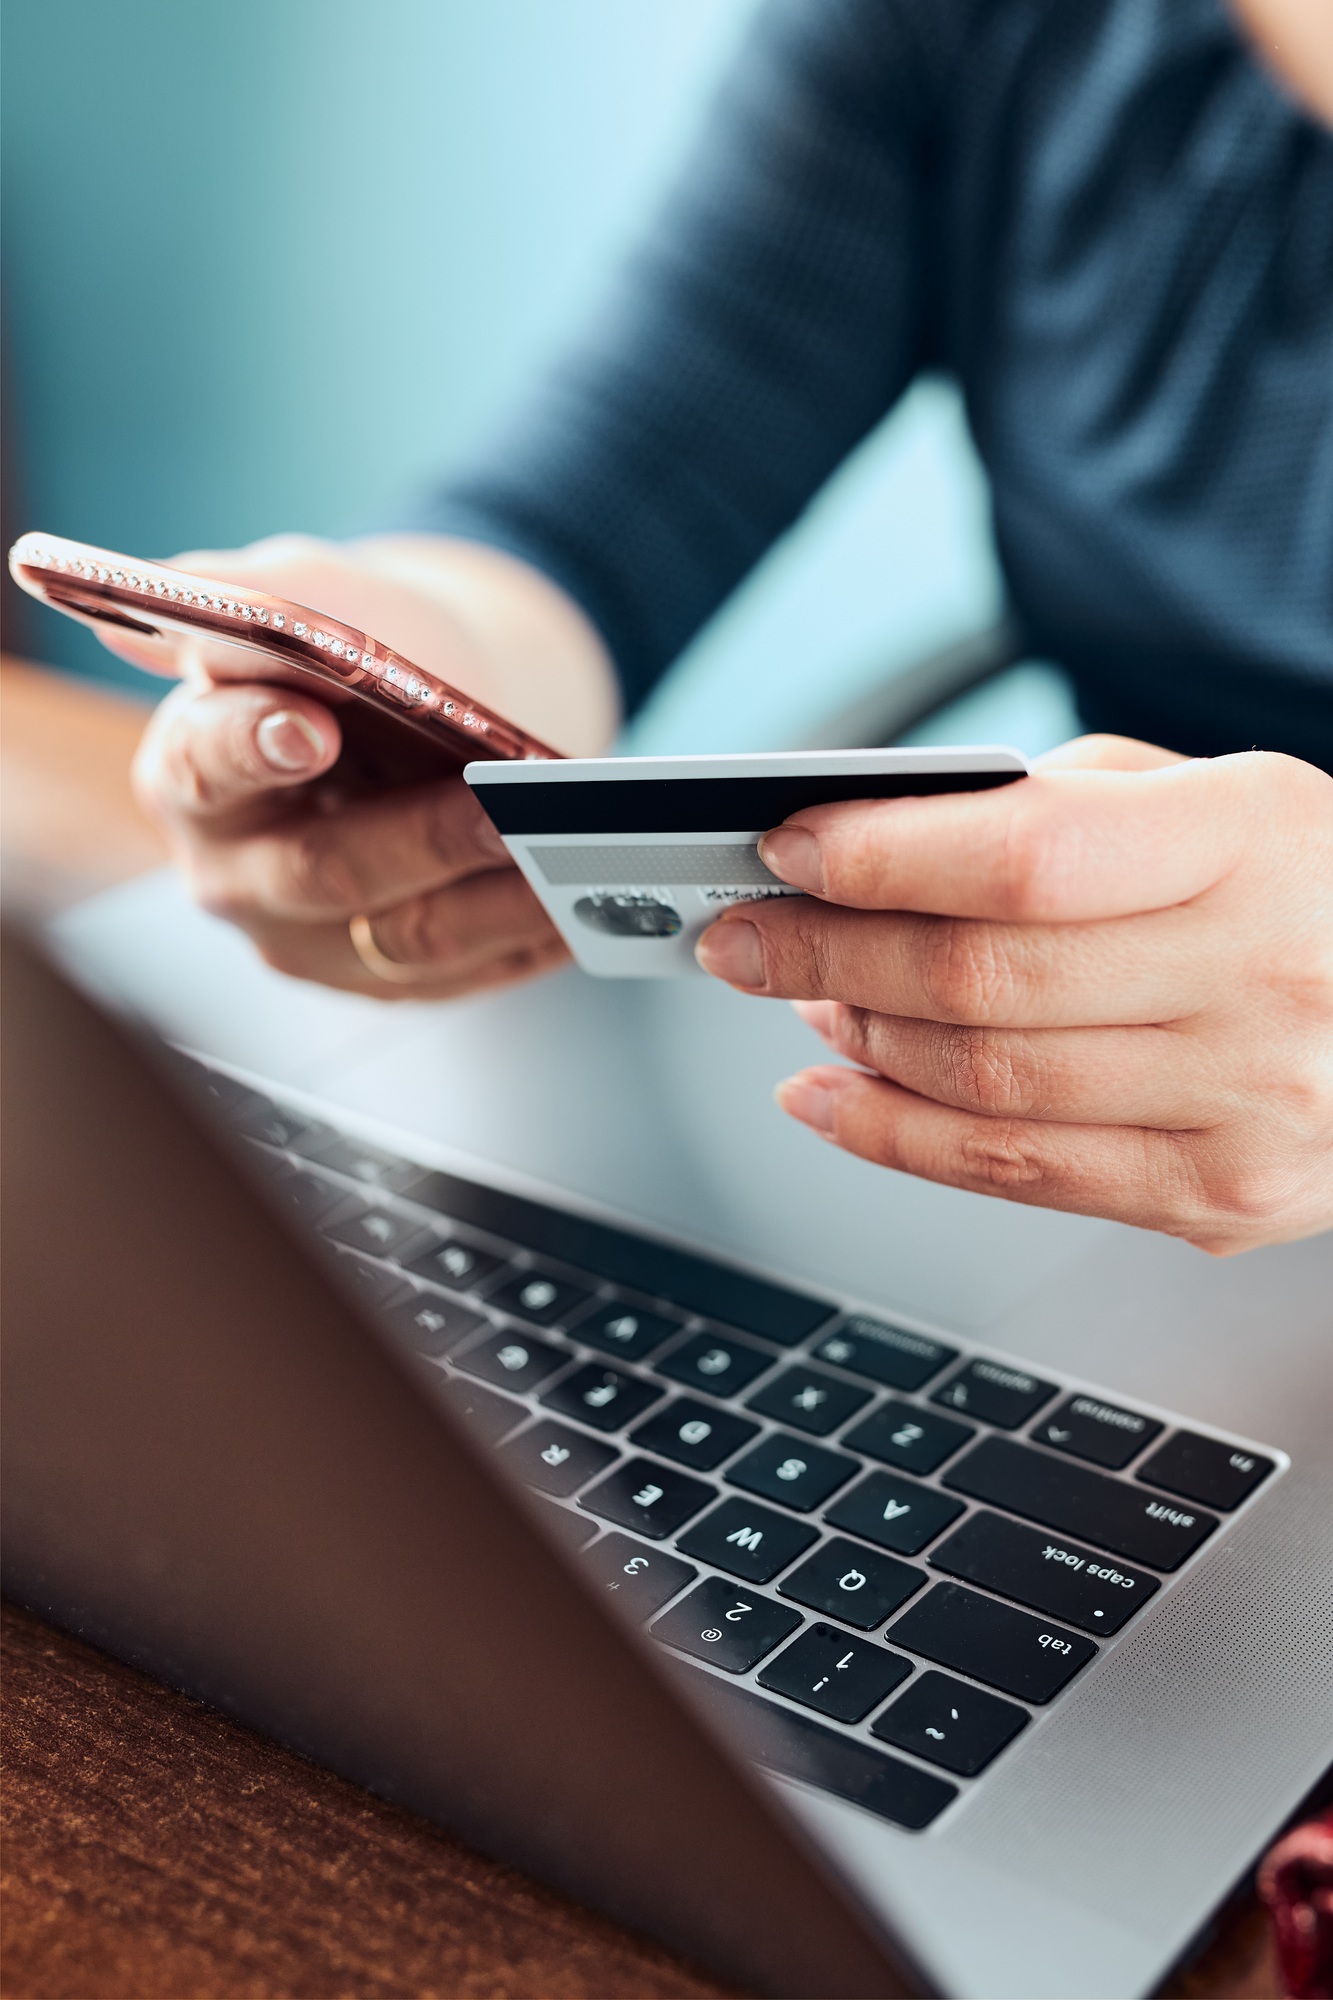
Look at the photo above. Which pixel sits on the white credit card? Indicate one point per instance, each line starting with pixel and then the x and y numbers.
pixel 633 857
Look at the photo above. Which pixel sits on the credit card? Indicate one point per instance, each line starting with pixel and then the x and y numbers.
pixel 633 857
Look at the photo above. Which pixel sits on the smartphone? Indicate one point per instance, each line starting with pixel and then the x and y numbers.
pixel 401 725
pixel 633 857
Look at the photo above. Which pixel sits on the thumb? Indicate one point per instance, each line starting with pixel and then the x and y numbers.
pixel 1107 753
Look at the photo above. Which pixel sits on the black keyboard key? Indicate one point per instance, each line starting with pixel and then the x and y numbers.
pixel 602 1397
pixel 459 1266
pixel 307 1194
pixel 272 1125
pixel 433 1325
pixel 571 1530
pixel 509 1360
pixel 376 1232
pixel 625 1330
pixel 1069 1582
pixel 1219 1475
pixel 640 1580
pixel 838 1675
pixel 1101 1432
pixel 730 1628
pixel 363 1163
pixel 990 1642
pixel 894 1513
pixel 655 1269
pixel 882 1353
pixel 491 1416
pixel 716 1363
pixel 790 1469
pixel 915 1440
pixel 995 1393
pixel 810 1399
pixel 748 1540
pixel 536 1296
pixel 1088 1505
pixel 849 1582
pixel 370 1283
pixel 651 1499
pixel 802 1749
pixel 694 1434
pixel 221 1093
pixel 556 1460
pixel 949 1723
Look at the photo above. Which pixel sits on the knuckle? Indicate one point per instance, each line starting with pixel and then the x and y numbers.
pixel 279 954
pixel 214 888
pixel 968 978
pixel 448 832
pixel 1219 1193
pixel 1003 1154
pixel 218 899
pixel 984 1072
pixel 1304 1093
pixel 798 956
pixel 146 773
pixel 858 1036
pixel 1250 1193
pixel 320 875
pixel 420 931
pixel 1287 776
pixel 171 774
pixel 1036 861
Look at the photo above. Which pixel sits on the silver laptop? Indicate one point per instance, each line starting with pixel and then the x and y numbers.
pixel 999 1544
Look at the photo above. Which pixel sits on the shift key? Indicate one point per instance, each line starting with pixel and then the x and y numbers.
pixel 1111 1515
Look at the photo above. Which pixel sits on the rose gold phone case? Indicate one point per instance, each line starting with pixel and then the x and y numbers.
pixel 102 588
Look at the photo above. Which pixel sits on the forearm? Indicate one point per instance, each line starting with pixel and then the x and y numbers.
pixel 762 326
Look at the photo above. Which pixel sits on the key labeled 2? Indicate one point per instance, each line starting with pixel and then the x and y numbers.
pixel 730 1627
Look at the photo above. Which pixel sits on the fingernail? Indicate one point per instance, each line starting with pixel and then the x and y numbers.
pixel 732 951
pixel 288 742
pixel 793 853
pixel 811 1102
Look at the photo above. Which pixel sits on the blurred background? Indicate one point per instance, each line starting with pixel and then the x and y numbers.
pixel 276 264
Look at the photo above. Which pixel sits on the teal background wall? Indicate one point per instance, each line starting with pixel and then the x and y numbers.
pixel 277 263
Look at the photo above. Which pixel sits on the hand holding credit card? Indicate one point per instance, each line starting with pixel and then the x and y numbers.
pixel 1104 989
pixel 634 857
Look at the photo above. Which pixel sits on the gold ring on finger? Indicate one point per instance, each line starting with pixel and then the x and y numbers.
pixel 391 970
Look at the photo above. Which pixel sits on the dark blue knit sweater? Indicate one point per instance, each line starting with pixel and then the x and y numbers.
pixel 1106 221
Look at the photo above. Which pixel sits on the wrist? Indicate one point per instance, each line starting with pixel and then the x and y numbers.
pixel 544 663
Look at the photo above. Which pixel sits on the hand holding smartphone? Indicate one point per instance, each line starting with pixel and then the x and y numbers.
pixel 295 806
pixel 399 722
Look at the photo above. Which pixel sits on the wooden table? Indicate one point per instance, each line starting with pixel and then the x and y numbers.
pixel 152 1847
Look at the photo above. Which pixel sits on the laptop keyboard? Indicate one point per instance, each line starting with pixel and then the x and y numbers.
pixel 861 1535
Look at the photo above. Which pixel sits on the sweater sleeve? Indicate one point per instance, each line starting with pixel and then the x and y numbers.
pixel 768 320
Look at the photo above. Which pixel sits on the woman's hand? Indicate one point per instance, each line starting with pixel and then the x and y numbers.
pixel 234 767
pixel 1106 988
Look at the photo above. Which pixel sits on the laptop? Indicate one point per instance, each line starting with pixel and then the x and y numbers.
pixel 861 1587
